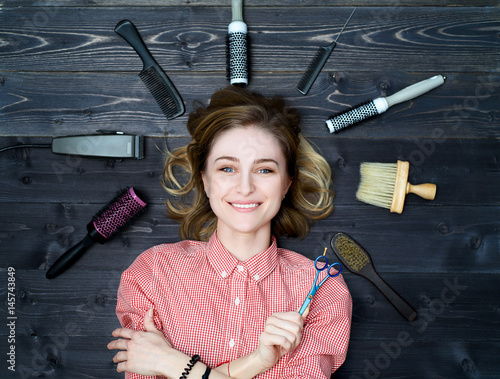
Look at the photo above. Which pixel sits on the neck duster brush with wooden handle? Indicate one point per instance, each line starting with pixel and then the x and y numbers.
pixel 379 105
pixel 111 219
pixel 386 185
pixel 237 46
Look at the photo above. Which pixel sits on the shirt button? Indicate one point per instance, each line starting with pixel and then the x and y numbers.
pixel 223 274
pixel 231 343
pixel 237 301
pixel 256 277
pixel 240 268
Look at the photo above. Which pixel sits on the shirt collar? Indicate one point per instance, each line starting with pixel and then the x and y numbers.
pixel 258 267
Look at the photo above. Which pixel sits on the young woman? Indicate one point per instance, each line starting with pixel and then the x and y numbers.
pixel 223 302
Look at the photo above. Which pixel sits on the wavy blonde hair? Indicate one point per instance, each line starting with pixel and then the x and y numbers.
pixel 309 197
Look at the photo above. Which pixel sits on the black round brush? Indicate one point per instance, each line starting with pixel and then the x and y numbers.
pixel 111 219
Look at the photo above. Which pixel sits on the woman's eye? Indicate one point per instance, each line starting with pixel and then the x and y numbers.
pixel 264 171
pixel 227 169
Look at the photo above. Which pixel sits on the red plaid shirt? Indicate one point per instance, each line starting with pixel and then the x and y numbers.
pixel 208 303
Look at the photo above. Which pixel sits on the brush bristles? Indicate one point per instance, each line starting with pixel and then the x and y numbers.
pixel 237 58
pixel 351 116
pixel 164 93
pixel 353 255
pixel 120 212
pixel 377 183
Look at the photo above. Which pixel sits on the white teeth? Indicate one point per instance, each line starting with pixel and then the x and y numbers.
pixel 245 205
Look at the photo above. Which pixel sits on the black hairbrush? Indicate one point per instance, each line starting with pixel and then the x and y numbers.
pixel 111 219
pixel 237 46
pixel 152 75
pixel 358 261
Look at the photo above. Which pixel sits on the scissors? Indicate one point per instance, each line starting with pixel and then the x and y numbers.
pixel 320 263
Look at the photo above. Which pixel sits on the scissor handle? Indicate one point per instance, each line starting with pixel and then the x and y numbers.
pixel 331 267
pixel 321 263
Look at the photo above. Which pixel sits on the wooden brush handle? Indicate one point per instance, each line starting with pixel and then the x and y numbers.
pixel 397 301
pixel 425 190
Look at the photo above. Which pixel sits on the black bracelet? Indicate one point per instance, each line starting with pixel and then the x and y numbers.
pixel 207 373
pixel 190 365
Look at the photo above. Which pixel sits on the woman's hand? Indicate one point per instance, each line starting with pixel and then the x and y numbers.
pixel 144 353
pixel 282 333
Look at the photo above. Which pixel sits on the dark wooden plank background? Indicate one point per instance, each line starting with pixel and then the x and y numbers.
pixel 64 71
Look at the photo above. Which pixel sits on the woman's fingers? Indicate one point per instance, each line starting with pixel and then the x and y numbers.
pixel 286 333
pixel 284 330
pixel 120 344
pixel 288 323
pixel 123 333
pixel 120 357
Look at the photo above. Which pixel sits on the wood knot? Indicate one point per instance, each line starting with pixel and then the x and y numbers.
pixel 467 365
pixel 101 299
pixel 443 229
pixel 51 228
pixel 370 300
pixel 475 242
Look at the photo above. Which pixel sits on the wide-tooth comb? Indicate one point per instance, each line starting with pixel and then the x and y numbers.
pixel 318 62
pixel 358 261
pixel 152 75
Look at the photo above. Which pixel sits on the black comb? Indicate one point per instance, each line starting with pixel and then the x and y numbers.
pixel 318 62
pixel 152 75
pixel 357 260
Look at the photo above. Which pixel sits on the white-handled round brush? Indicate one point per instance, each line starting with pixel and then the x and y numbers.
pixel 379 105
pixel 237 46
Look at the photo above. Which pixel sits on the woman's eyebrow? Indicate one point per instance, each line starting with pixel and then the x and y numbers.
pixel 266 160
pixel 257 161
pixel 227 158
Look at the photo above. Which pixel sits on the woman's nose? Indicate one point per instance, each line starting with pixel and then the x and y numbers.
pixel 246 185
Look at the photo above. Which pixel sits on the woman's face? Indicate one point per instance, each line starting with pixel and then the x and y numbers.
pixel 245 179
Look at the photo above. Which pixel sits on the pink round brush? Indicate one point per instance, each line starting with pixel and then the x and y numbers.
pixel 111 219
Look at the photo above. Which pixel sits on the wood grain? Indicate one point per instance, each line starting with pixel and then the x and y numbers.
pixel 192 39
pixel 52 104
pixel 63 71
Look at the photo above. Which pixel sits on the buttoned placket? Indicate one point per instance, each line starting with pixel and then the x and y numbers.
pixel 238 299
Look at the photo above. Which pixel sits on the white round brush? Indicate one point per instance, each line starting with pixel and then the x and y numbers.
pixel 381 104
pixel 237 64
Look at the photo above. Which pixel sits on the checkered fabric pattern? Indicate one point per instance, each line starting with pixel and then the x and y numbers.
pixel 208 303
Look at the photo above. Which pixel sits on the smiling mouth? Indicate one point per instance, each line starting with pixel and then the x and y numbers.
pixel 245 206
